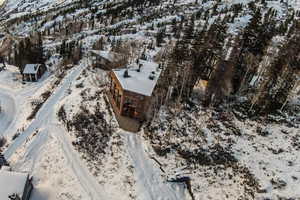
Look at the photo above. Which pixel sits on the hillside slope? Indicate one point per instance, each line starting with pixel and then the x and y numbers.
pixel 237 140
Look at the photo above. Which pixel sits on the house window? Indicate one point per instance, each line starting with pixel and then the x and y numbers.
pixel 115 93
pixel 128 100
pixel 130 107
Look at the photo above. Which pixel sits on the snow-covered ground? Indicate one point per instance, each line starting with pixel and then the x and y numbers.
pixel 125 165
pixel 8 111
pixel 149 181
pixel 258 156
pixel 42 148
pixel 123 169
pixel 45 150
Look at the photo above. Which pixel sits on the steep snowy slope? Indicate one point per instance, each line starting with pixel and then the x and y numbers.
pixel 18 6
pixel 72 144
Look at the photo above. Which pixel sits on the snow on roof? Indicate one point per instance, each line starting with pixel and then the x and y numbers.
pixel 12 183
pixel 139 82
pixel 31 68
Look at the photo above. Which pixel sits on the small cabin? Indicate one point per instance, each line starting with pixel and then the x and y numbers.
pixel 131 89
pixel 33 72
pixel 15 185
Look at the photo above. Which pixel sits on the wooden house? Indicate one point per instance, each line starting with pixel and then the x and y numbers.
pixel 131 90
pixel 107 60
pixel 33 72
pixel 15 185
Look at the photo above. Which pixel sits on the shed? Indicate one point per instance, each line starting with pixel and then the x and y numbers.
pixel 131 89
pixel 33 72
pixel 15 183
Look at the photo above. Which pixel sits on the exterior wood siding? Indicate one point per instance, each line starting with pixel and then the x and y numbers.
pixel 139 104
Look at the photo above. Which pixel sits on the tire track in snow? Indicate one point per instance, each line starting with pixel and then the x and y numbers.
pixel 87 181
pixel 8 111
pixel 34 150
pixel 151 185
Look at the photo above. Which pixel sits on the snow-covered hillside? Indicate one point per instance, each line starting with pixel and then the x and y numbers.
pixel 63 131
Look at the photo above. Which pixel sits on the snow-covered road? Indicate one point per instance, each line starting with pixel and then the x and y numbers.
pixel 46 126
pixel 44 112
pixel 8 111
pixel 150 184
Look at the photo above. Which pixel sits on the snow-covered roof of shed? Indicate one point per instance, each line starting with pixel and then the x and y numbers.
pixel 139 82
pixel 12 183
pixel 31 68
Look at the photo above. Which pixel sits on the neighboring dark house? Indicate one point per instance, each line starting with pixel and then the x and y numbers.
pixel 15 185
pixel 132 89
pixel 2 62
pixel 107 60
pixel 33 72
pixel 3 161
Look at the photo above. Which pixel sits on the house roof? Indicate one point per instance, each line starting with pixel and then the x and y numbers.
pixel 139 82
pixel 31 68
pixel 110 56
pixel 12 183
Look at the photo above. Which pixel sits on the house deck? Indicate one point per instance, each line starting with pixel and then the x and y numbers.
pixel 126 123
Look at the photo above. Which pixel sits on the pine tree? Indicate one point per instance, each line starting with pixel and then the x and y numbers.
pixel 160 37
pixel 63 48
pixel 39 50
pixel 281 76
pixel 188 34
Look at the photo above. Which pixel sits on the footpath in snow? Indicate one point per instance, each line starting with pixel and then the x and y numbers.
pixel 150 184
